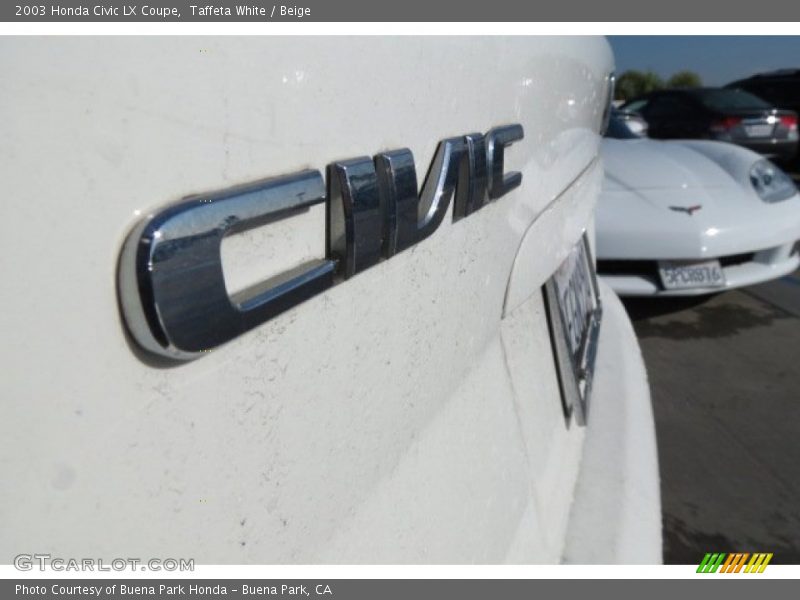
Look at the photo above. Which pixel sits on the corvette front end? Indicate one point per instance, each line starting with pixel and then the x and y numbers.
pixel 690 218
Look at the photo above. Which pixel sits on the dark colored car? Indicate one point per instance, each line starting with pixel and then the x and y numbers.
pixel 780 88
pixel 728 115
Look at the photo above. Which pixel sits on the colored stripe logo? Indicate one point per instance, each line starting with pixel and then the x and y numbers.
pixel 737 562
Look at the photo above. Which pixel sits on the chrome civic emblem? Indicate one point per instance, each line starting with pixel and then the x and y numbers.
pixel 171 284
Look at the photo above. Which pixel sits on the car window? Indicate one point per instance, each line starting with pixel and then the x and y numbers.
pixel 770 93
pixel 619 130
pixel 776 92
pixel 635 106
pixel 763 90
pixel 669 106
pixel 724 100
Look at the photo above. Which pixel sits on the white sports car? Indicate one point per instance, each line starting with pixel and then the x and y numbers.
pixel 691 217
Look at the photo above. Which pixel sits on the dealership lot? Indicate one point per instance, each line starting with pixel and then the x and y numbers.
pixel 724 378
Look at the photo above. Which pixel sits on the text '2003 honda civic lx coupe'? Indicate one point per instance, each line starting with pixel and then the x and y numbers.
pixel 315 300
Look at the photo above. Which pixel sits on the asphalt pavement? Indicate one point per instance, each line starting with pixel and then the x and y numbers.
pixel 725 379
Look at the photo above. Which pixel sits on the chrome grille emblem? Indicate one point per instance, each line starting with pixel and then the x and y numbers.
pixel 689 210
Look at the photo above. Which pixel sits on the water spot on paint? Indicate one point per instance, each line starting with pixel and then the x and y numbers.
pixel 63 477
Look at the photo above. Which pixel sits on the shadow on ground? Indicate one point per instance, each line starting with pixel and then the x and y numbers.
pixel 645 308
pixel 699 317
pixel 724 385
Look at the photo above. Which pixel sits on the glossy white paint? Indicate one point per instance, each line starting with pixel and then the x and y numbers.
pixel 617 502
pixel 408 415
pixel 644 178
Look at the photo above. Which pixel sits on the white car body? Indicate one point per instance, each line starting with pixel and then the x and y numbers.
pixel 408 415
pixel 688 201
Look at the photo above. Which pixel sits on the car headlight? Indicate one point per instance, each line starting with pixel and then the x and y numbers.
pixel 770 182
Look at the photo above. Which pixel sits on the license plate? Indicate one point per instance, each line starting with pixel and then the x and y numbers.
pixel 680 275
pixel 758 130
pixel 574 312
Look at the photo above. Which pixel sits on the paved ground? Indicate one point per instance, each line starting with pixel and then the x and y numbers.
pixel 725 378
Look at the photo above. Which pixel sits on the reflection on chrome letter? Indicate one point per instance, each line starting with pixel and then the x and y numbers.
pixel 171 284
